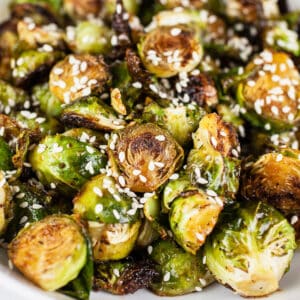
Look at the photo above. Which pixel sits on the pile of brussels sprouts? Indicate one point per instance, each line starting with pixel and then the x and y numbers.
pixel 150 144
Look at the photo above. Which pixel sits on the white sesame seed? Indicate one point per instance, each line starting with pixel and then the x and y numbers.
pixel 37 206
pixel 137 85
pixel 149 249
pixel 211 193
pixel 267 126
pixel 167 276
pixel 116 214
pixel 97 191
pixel 24 204
pixel 121 156
pixel 23 220
pixel 294 220
pixel 10 264
pixel 251 83
pixel 200 236
pixel 98 208
pixel 160 138
pixel 20 196
pixel 204 260
pixel 116 272
pixel 142 178
pixel 213 141
pixel 174 176
pixel 235 153
pixel 203 281
pixel 198 289
pixel 175 31
pixel 151 166
pixel 279 157
pixel 136 172
pixel 121 180
pixel 58 71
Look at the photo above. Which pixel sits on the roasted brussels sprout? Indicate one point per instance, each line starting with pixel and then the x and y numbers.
pixel 193 216
pixel 48 103
pixel 180 121
pixel 5 204
pixel 146 155
pixel 266 243
pixel 113 241
pixel 50 252
pixel 78 76
pixel 270 92
pixel 280 37
pixel 35 36
pixel 11 97
pixel 66 162
pixel 125 276
pixel 167 51
pixel 100 200
pixel 32 65
pixel 93 113
pixel 274 178
pixel 249 11
pixel 214 162
pixel 180 272
pixel 90 37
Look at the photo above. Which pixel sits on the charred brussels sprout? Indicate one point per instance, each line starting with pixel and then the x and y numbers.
pixel 78 76
pixel 167 51
pixel 266 243
pixel 270 92
pixel 91 37
pixel 113 241
pixel 193 216
pixel 180 272
pixel 50 252
pixel 274 178
pixel 214 162
pixel 146 155
pixel 91 112
pixel 180 121
pixel 125 276
pixel 66 162
pixel 99 199
pixel 32 65
pixel 48 103
pixel 5 204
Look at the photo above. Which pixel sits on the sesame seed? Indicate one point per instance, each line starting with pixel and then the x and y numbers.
pixel 204 260
pixel 121 180
pixel 203 281
pixel 20 196
pixel 175 31
pixel 116 272
pixel 251 83
pixel 58 71
pixel 136 172
pixel 23 220
pixel 116 214
pixel 211 193
pixel 198 289
pixel 267 126
pixel 149 249
pixel 279 157
pixel 213 141
pixel 294 220
pixel 167 276
pixel 97 191
pixel 10 264
pixel 235 153
pixel 142 178
pixel 24 204
pixel 122 156
pixel 200 236
pixel 160 138
pixel 151 166
pixel 37 206
pixel 98 208
pixel 174 176
pixel 137 85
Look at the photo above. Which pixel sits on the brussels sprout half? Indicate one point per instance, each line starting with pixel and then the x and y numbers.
pixel 180 272
pixel 32 65
pixel 266 243
pixel 214 162
pixel 270 93
pixel 66 162
pixel 5 204
pixel 113 241
pixel 93 113
pixel 125 276
pixel 90 37
pixel 78 76
pixel 274 178
pixel 100 200
pixel 180 121
pixel 167 51
pixel 146 155
pixel 192 217
pixel 50 252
